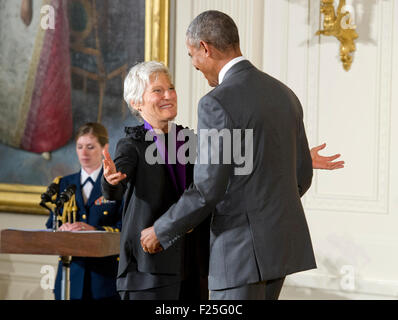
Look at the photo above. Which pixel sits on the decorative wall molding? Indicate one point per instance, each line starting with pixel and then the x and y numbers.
pixel 378 201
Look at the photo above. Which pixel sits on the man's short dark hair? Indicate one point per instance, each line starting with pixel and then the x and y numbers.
pixel 213 27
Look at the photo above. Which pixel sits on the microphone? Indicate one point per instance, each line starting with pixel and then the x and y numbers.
pixel 51 190
pixel 66 195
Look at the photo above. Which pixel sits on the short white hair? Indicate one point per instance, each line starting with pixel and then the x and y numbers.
pixel 138 78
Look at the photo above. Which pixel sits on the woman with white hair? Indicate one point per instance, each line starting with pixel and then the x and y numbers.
pixel 150 188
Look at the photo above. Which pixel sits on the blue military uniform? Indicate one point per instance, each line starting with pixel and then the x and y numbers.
pixel 93 278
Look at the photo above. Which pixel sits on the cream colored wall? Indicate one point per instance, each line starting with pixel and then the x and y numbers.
pixel 352 213
pixel 20 274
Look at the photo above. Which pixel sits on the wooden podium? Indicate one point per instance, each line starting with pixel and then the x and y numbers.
pixel 61 243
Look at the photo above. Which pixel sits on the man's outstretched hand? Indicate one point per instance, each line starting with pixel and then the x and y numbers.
pixel 320 162
pixel 149 241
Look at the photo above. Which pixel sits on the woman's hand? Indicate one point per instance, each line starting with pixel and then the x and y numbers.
pixel 112 176
pixel 77 226
pixel 320 162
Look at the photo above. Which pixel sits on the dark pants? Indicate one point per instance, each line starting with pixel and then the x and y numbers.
pixel 191 289
pixel 170 292
pixel 265 290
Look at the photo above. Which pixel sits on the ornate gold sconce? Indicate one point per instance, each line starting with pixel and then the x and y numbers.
pixel 341 26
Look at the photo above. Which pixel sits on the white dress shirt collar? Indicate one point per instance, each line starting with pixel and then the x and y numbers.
pixel 228 66
pixel 94 175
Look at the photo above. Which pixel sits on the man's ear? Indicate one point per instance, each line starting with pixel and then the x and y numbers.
pixel 207 48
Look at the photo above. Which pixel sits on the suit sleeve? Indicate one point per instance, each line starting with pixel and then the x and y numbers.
pixel 304 161
pixel 125 162
pixel 210 179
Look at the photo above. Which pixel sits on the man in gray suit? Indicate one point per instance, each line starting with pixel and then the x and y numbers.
pixel 259 233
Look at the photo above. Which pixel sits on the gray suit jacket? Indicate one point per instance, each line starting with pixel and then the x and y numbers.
pixel 258 228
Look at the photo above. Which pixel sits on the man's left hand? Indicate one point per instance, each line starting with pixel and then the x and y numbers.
pixel 327 163
pixel 149 241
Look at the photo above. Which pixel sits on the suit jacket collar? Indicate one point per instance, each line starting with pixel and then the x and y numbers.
pixel 228 66
pixel 236 68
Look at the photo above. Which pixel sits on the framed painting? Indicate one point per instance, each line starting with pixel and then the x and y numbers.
pixel 63 64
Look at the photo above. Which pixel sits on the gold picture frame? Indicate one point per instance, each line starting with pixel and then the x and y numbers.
pixel 20 198
pixel 157 13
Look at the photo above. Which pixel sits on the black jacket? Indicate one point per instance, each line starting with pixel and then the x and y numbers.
pixel 148 192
